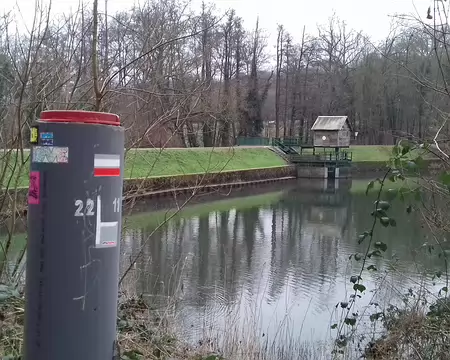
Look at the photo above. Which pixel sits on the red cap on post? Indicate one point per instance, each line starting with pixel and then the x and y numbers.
pixel 79 116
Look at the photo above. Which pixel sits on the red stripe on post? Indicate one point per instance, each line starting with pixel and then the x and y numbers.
pixel 106 172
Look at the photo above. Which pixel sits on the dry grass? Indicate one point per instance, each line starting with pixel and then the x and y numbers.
pixel 12 315
pixel 151 332
pixel 240 337
pixel 141 333
pixel 413 336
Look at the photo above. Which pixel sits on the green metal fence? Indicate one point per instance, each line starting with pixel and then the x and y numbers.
pixel 265 141
pixel 252 141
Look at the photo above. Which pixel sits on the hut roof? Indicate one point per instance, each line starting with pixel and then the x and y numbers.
pixel 330 123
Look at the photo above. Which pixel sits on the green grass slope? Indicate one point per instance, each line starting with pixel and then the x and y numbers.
pixel 379 153
pixel 169 162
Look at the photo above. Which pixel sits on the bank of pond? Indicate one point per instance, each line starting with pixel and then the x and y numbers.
pixel 167 163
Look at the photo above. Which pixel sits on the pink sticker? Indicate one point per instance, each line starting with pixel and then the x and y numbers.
pixel 34 189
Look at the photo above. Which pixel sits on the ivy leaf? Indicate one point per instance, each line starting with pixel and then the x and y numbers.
pixel 381 246
pixel 359 287
pixel 354 279
pixel 405 149
pixel 375 253
pixel 384 205
pixel 380 213
pixel 372 267
pixel 350 321
pixel 392 222
pixel 344 304
pixel 409 209
pixel 362 236
pixel 392 193
pixel 334 326
pixel 370 186
pixel 385 221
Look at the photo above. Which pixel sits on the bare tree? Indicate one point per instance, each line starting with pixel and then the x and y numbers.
pixel 280 54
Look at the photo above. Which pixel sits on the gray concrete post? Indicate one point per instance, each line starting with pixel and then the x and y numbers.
pixel 74 228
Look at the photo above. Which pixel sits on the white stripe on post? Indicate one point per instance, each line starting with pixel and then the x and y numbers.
pixel 106 161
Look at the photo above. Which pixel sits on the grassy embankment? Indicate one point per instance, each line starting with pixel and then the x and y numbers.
pixel 171 162
pixel 369 153
pixel 154 163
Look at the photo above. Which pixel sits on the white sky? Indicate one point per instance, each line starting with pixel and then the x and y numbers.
pixel 369 16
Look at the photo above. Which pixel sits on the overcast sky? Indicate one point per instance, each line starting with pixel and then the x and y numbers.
pixel 369 16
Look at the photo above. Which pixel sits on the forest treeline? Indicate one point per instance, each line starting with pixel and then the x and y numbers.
pixel 179 77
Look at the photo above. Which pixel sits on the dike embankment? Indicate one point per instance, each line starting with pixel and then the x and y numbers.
pixel 369 168
pixel 203 183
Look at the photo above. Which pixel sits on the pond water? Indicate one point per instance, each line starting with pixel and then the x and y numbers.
pixel 272 265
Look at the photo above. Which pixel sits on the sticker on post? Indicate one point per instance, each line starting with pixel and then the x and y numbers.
pixel 34 188
pixel 50 154
pixel 107 232
pixel 106 165
pixel 46 139
pixel 34 130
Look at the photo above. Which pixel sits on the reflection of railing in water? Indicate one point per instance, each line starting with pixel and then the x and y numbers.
pixel 320 195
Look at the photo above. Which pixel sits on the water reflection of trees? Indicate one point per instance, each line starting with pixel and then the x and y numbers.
pixel 301 242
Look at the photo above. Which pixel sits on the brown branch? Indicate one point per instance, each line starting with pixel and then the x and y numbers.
pixel 159 45
pixel 97 91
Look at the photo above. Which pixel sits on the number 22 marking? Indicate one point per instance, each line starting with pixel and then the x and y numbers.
pixel 89 207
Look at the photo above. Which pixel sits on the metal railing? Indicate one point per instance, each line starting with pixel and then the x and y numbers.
pixel 287 141
pixel 345 156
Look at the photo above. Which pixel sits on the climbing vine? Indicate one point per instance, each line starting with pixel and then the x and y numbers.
pixel 406 161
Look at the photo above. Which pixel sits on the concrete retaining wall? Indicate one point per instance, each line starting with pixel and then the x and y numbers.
pixel 311 172
pixel 135 188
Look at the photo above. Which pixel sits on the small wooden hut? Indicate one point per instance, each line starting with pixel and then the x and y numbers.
pixel 332 132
